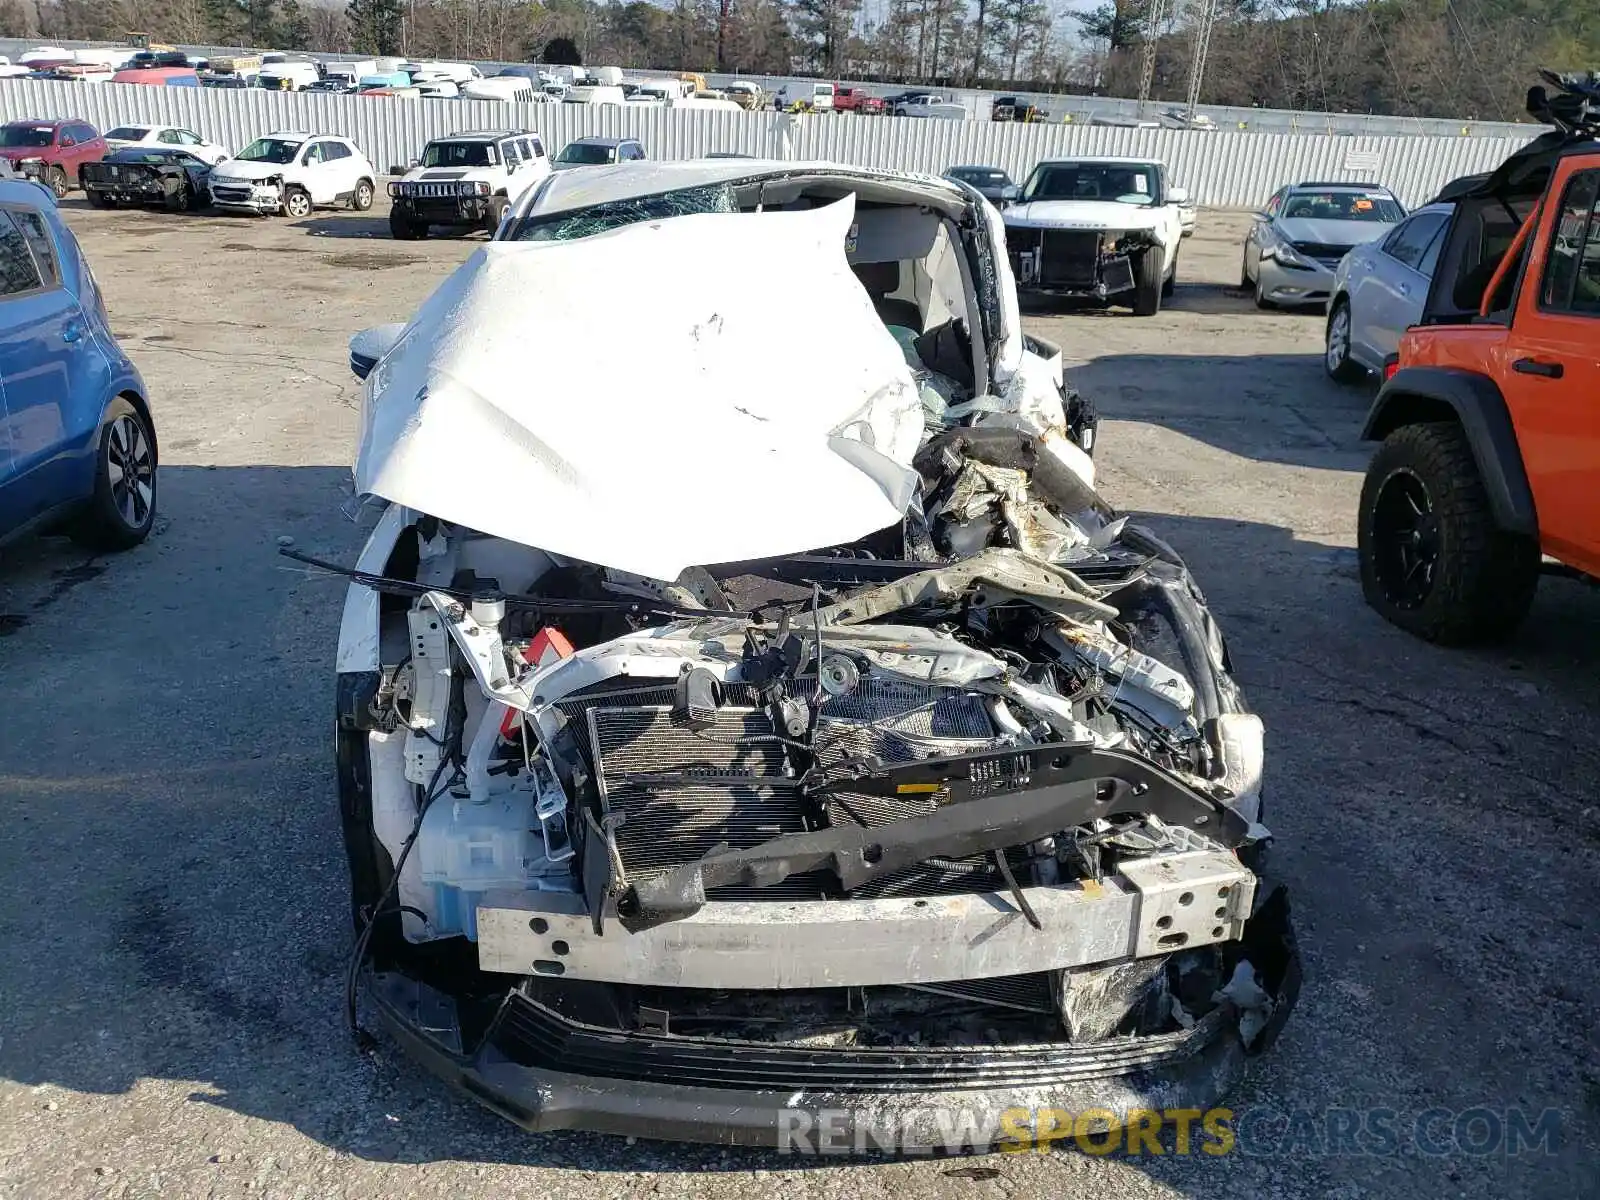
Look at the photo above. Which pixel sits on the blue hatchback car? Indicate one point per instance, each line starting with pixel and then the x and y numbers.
pixel 77 445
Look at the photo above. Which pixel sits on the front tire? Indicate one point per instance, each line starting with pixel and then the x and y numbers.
pixel 1264 304
pixel 123 508
pixel 296 203
pixel 1148 286
pixel 403 229
pixel 1433 561
pixel 497 211
pixel 95 199
pixel 1171 284
pixel 1336 360
pixel 56 180
pixel 361 198
pixel 180 200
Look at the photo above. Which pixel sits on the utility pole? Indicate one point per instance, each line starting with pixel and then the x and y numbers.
pixel 1202 46
pixel 1155 13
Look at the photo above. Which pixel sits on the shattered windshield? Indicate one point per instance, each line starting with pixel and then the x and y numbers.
pixel 458 154
pixel 600 218
pixel 1126 183
pixel 269 150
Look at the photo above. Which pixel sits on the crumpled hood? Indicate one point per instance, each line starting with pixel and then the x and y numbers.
pixel 234 168
pixel 1331 233
pixel 1083 214
pixel 536 398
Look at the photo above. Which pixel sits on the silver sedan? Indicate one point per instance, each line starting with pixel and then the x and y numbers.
pixel 1295 244
pixel 1378 293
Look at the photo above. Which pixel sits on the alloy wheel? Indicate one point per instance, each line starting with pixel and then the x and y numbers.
pixel 1405 538
pixel 130 468
pixel 1338 349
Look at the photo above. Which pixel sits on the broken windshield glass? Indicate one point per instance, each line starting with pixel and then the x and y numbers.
pixel 601 218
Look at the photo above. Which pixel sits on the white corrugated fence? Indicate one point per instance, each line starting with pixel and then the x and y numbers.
pixel 1224 169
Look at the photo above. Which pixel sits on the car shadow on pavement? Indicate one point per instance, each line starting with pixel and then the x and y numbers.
pixel 178 908
pixel 1237 403
pixel 344 225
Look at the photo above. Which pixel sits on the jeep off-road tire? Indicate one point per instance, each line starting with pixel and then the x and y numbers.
pixel 95 199
pixel 296 203
pixel 1336 360
pixel 56 180
pixel 1464 580
pixel 497 210
pixel 361 198
pixel 1148 285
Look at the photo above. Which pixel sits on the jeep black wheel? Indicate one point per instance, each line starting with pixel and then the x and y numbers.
pixel 1433 561
pixel 1148 287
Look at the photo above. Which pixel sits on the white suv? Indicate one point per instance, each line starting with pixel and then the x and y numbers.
pixel 466 181
pixel 290 173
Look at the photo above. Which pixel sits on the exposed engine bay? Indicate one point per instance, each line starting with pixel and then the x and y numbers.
pixel 660 827
pixel 982 778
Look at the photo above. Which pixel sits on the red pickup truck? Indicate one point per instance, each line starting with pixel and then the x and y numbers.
pixel 51 151
pixel 857 100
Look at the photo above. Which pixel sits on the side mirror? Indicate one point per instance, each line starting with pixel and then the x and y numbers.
pixel 1008 195
pixel 413 164
pixel 1180 195
pixel 369 346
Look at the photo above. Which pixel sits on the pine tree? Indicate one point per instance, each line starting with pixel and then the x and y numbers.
pixel 375 25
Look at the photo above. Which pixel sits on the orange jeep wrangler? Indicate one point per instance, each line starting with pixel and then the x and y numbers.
pixel 1490 415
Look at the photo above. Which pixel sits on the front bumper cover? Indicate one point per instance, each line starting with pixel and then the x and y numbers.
pixel 1295 285
pixel 265 198
pixel 545 1071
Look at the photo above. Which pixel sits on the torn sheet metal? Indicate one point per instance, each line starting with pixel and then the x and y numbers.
pixel 537 398
pixel 993 575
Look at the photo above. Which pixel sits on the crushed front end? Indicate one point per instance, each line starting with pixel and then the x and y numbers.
pixel 1074 261
pixel 789 850
pixel 955 815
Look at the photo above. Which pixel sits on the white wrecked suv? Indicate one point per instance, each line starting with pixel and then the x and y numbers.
pixel 1105 228
pixel 749 743
pixel 466 181
pixel 289 174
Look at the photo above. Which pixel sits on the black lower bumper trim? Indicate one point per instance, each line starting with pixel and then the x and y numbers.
pixel 547 1072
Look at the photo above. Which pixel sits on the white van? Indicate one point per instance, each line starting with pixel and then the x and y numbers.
pixel 595 94
pixel 457 73
pixel 806 95
pixel 350 72
pixel 287 76
pixel 510 88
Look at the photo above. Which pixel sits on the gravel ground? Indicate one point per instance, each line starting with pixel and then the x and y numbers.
pixel 174 924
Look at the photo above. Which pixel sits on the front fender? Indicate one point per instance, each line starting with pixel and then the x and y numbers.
pixel 1416 394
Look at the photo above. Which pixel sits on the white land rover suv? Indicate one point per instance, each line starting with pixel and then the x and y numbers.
pixel 466 180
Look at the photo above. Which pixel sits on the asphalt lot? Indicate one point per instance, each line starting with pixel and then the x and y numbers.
pixel 174 929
